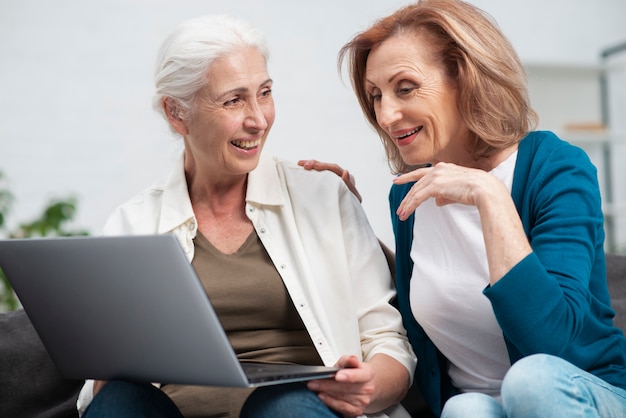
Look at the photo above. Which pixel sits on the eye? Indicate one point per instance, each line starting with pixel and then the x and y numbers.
pixel 374 95
pixel 232 102
pixel 266 92
pixel 405 88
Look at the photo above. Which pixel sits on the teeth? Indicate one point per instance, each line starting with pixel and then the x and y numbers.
pixel 414 131
pixel 246 144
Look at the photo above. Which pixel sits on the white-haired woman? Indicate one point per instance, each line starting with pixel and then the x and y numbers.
pixel 312 284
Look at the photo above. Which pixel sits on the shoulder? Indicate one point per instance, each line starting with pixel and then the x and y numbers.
pixel 147 197
pixel 291 168
pixel 316 193
pixel 297 176
pixel 138 210
pixel 160 208
pixel 544 145
pixel 547 166
pixel 543 156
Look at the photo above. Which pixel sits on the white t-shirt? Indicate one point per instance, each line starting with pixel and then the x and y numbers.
pixel 449 275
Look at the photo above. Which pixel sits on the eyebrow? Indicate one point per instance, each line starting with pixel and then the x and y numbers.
pixel 389 80
pixel 240 90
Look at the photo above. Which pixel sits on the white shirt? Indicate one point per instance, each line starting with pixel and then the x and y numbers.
pixel 449 275
pixel 318 237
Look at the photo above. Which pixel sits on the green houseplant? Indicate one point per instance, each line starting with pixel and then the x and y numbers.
pixel 51 222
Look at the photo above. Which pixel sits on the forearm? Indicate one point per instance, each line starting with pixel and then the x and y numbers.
pixel 506 243
pixel 392 382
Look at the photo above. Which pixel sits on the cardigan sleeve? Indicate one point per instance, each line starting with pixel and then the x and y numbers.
pixel 542 304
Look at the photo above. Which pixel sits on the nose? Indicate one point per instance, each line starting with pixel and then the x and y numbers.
pixel 255 116
pixel 387 112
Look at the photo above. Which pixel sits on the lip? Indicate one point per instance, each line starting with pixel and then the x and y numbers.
pixel 406 136
pixel 247 146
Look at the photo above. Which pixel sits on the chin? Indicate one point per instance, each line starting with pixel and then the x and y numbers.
pixel 414 160
pixel 250 165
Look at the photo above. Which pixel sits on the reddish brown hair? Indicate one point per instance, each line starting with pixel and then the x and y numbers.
pixel 479 60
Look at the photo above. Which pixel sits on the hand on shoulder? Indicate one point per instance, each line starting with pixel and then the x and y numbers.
pixel 335 168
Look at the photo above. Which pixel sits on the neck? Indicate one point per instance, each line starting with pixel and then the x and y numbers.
pixel 220 197
pixel 214 190
pixel 495 159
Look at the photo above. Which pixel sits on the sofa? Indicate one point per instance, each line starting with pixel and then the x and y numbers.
pixel 31 386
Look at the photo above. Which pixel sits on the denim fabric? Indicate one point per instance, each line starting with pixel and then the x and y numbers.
pixel 286 401
pixel 121 399
pixel 542 385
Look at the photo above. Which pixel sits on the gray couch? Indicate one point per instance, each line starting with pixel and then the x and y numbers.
pixel 30 385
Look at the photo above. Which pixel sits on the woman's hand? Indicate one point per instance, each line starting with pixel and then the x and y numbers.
pixel 361 388
pixel 506 243
pixel 344 174
pixel 448 183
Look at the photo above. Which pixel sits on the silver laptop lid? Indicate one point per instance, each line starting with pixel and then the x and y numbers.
pixel 81 295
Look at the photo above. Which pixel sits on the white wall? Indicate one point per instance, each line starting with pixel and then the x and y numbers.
pixel 75 88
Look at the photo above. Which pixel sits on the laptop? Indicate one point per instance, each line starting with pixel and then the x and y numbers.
pixel 130 307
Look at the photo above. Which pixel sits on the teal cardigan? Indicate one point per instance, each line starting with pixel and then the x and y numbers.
pixel 554 301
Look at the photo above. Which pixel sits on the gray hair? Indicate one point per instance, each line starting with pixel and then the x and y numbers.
pixel 187 53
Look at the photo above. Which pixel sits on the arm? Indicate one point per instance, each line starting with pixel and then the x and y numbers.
pixel 383 377
pixel 505 240
pixel 541 295
pixel 350 182
pixel 344 174
pixel 379 375
pixel 560 286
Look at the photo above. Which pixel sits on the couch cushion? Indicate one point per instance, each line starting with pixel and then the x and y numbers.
pixel 616 278
pixel 31 384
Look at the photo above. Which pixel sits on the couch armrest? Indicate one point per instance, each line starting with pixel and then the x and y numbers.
pixel 31 384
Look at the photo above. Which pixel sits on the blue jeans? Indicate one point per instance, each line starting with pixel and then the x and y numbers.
pixel 285 401
pixel 543 386
pixel 120 399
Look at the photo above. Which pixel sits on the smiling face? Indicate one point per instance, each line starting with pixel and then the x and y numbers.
pixel 232 118
pixel 416 102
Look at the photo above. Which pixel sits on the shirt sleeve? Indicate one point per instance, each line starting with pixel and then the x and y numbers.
pixel 542 304
pixel 380 323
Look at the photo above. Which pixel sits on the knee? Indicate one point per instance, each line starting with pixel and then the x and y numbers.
pixel 120 398
pixel 290 400
pixel 276 401
pixel 471 404
pixel 122 390
pixel 456 405
pixel 262 400
pixel 531 377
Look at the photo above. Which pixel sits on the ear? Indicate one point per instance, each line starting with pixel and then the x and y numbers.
pixel 172 109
